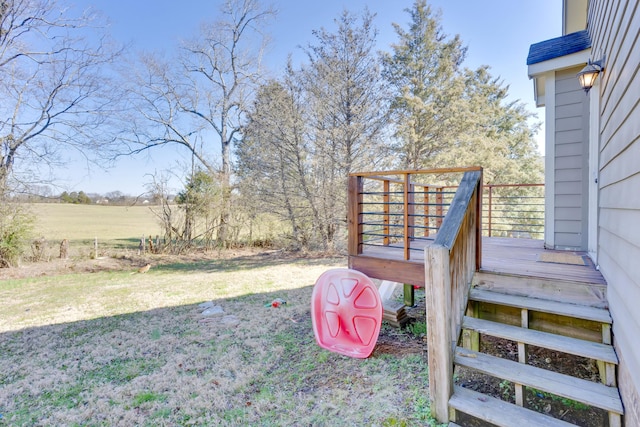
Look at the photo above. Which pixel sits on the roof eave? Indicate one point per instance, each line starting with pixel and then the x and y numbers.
pixel 538 71
pixel 559 63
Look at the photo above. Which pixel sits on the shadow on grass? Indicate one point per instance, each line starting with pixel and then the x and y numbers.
pixel 252 365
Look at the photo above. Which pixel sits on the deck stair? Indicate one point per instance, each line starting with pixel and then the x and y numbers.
pixel 602 395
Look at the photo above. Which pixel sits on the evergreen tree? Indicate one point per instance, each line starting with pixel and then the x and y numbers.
pixel 445 115
pixel 423 71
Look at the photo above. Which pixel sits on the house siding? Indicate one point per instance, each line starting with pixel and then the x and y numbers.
pixel 571 162
pixel 613 26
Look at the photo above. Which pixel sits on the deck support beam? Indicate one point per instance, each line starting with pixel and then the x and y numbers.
pixel 409 295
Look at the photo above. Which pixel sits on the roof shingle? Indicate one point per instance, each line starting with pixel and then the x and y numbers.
pixel 559 46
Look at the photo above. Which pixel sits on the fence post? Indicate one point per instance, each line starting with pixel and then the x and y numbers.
pixel 64 249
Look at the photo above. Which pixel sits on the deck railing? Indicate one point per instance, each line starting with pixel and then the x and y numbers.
pixel 450 263
pixel 513 210
pixel 405 209
pixel 399 209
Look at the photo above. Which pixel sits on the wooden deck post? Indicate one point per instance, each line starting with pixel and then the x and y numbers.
pixel 450 263
pixel 438 305
pixel 439 209
pixel 471 339
pixel 411 210
pixel 386 198
pixel 406 217
pixel 478 220
pixel 426 212
pixel 522 357
pixel 490 209
pixel 355 188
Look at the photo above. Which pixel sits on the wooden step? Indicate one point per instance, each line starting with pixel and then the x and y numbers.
pixel 587 392
pixel 498 412
pixel 544 306
pixel 577 347
pixel 565 291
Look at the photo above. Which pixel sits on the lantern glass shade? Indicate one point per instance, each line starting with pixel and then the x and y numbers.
pixel 587 76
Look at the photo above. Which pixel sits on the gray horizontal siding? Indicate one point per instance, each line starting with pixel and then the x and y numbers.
pixel 569 136
pixel 571 163
pixel 568 188
pixel 570 149
pixel 571 226
pixel 568 175
pixel 620 168
pixel 568 201
pixel 568 241
pixel 614 32
pixel 623 194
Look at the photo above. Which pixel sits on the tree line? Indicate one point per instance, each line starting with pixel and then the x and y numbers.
pixel 260 143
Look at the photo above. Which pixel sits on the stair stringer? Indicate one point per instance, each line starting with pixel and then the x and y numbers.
pixel 603 336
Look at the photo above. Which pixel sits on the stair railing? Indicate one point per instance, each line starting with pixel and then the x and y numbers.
pixel 450 263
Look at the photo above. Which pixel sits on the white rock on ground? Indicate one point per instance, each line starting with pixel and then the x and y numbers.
pixel 216 310
pixel 205 305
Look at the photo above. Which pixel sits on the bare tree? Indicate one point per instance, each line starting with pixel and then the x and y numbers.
pixel 200 101
pixel 347 113
pixel 52 84
pixel 273 157
pixel 309 130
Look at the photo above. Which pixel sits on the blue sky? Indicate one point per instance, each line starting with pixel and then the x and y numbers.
pixel 498 33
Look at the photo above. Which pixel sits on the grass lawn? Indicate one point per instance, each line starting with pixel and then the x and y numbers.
pixel 115 348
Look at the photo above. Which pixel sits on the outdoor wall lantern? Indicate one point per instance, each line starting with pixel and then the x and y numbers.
pixel 587 76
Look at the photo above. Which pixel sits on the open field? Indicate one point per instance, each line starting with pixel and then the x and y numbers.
pixel 115 348
pixel 57 221
pixel 117 228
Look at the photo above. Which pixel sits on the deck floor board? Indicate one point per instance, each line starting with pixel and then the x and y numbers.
pixel 506 256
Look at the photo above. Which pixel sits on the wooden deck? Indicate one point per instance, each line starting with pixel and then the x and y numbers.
pixel 499 255
pixel 522 257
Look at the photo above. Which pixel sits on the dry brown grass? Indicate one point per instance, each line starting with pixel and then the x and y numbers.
pixel 115 348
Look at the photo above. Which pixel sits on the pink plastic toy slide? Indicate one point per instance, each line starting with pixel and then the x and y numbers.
pixel 346 311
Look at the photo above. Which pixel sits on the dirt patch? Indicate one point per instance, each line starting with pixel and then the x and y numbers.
pixel 536 400
pixel 129 260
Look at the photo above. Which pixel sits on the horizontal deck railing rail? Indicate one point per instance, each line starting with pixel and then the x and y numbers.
pixel 399 209
pixel 513 210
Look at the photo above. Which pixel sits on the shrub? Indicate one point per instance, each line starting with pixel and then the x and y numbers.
pixel 16 224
